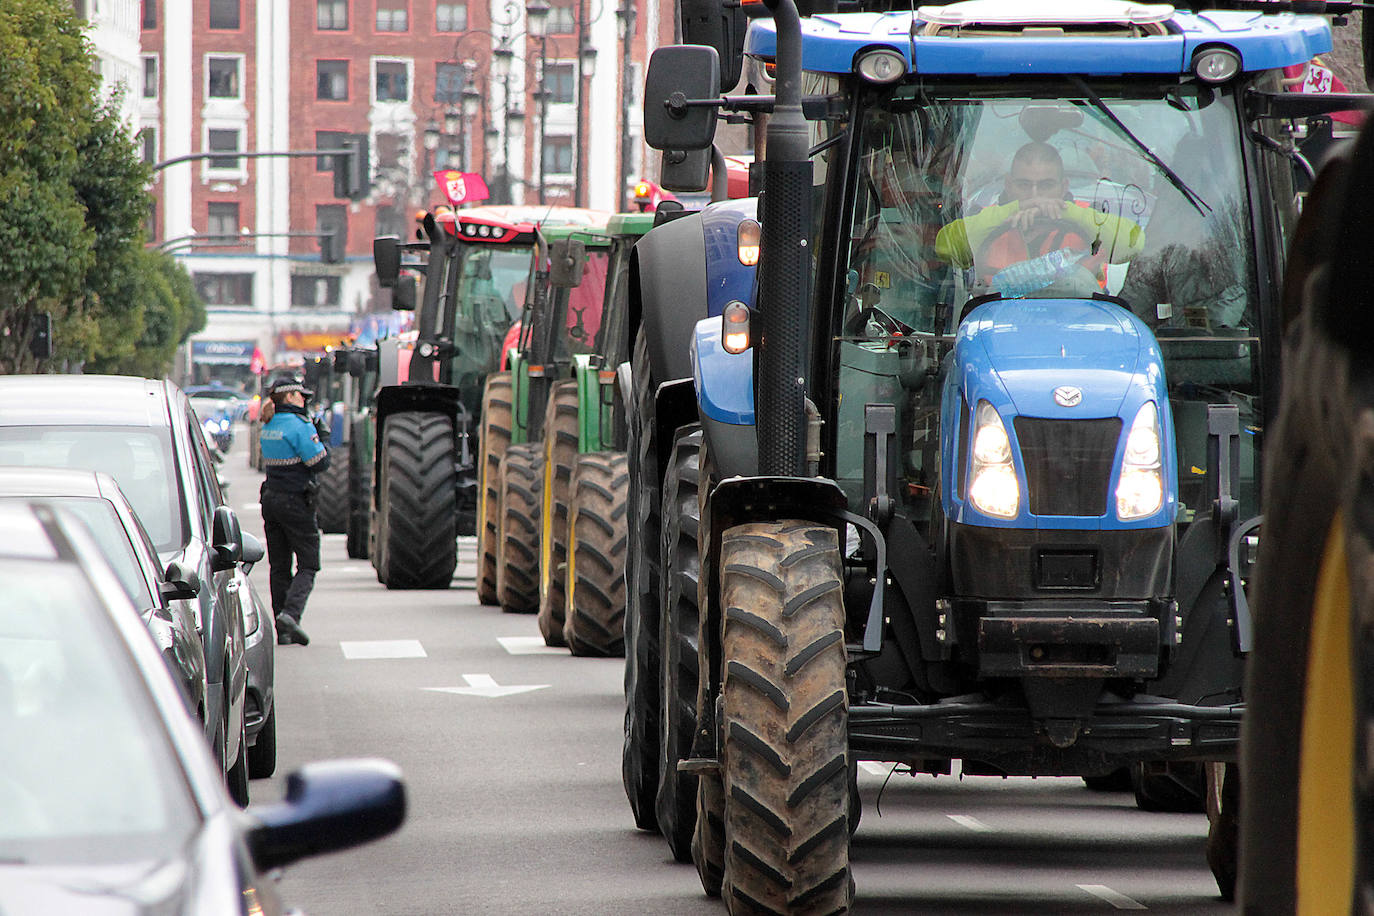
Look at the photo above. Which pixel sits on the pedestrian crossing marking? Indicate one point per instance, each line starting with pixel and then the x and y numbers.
pixel 383 648
pixel 528 645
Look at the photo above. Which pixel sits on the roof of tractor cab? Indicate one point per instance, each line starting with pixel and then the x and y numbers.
pixel 507 224
pixel 990 38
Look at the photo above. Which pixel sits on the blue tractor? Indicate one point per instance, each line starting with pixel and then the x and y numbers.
pixel 966 467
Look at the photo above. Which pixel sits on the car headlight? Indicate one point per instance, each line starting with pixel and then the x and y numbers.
pixel 1140 490
pixel 994 488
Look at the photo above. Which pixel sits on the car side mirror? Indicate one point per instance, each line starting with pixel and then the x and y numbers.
pixel 567 262
pixel 253 551
pixel 328 806
pixel 178 582
pixel 679 74
pixel 403 295
pixel 386 255
pixel 226 540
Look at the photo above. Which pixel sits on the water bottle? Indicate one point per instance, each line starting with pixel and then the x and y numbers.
pixel 1026 277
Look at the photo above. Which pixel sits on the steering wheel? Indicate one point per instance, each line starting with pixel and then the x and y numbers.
pixel 857 326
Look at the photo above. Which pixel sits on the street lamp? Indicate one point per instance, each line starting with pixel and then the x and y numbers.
pixel 625 13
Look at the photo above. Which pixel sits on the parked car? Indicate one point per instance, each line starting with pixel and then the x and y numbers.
pixel 162 596
pixel 145 435
pixel 109 800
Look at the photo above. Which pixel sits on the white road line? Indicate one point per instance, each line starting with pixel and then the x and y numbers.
pixel 1103 892
pixel 528 645
pixel 484 685
pixel 972 823
pixel 383 648
pixel 875 768
pixel 251 507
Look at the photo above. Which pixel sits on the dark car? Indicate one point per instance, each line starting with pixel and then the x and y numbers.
pixel 144 434
pixel 109 799
pixel 162 596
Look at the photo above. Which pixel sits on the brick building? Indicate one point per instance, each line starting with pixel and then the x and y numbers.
pixel 430 83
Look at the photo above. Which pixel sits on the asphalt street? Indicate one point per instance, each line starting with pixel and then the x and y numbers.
pixel 511 753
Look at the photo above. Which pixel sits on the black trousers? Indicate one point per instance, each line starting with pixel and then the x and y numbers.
pixel 292 532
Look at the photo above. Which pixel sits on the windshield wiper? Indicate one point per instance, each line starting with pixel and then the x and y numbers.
pixel 1193 197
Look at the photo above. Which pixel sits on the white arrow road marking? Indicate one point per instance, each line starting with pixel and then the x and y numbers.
pixel 383 648
pixel 528 645
pixel 972 823
pixel 1103 892
pixel 484 685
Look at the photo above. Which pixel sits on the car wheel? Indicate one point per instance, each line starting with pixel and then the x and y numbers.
pixel 237 777
pixel 262 756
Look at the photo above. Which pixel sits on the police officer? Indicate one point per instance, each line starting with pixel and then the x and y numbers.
pixel 291 455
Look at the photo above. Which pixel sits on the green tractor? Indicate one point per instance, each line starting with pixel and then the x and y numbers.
pixel 361 365
pixel 425 479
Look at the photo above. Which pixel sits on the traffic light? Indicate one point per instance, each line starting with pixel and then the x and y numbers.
pixel 40 341
pixel 353 173
pixel 331 246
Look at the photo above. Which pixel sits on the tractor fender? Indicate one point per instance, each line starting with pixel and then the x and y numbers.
pixel 734 501
pixel 683 271
pixel 674 406
pixel 420 397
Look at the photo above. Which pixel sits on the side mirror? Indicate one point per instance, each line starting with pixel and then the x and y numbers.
pixel 226 540
pixel 685 170
pixel 253 551
pixel 386 255
pixel 328 806
pixel 679 74
pixel 403 295
pixel 178 582
pixel 340 360
pixel 567 262
pixel 357 363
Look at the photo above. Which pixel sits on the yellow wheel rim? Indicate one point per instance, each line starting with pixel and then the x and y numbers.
pixel 1326 823
pixel 546 523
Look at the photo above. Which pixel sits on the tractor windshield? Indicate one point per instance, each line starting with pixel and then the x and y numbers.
pixel 491 292
pixel 1069 193
pixel 1138 197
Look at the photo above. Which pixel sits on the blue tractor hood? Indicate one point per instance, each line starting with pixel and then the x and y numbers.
pixel 1030 347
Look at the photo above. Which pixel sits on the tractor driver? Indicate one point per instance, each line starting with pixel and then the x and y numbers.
pixel 1037 215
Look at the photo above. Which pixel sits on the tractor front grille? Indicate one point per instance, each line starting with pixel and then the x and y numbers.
pixel 1068 464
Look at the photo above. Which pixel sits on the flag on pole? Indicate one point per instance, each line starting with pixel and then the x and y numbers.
pixel 461 187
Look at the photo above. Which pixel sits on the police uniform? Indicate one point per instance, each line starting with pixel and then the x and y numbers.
pixel 291 456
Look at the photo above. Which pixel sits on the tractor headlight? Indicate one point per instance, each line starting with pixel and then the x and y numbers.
pixel 994 488
pixel 1140 491
pixel 881 66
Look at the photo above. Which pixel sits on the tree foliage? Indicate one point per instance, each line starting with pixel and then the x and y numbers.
pixel 73 199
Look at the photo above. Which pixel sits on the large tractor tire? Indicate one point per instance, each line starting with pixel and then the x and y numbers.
pixel 517 568
pixel 639 756
pixel 331 500
pixel 493 442
pixel 785 760
pixel 679 563
pixel 594 617
pixel 708 835
pixel 417 511
pixel 1176 788
pixel 359 494
pixel 560 455
pixel 1223 826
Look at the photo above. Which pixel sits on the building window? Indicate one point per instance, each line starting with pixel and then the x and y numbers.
pixel 224 14
pixel 450 17
pixel 315 292
pixel 391 15
pixel 559 80
pixel 151 225
pixel 149 14
pixel 393 83
pixel 147 141
pixel 331 80
pixel 223 222
pixel 150 76
pixel 390 221
pixel 225 289
pixel 558 155
pixel 560 18
pixel 331 15
pixel 223 77
pixel 328 139
pixel 448 83
pixel 223 141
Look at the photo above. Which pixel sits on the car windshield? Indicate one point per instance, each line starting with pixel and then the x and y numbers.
pixel 115 541
pixel 89 775
pixel 1076 193
pixel 138 458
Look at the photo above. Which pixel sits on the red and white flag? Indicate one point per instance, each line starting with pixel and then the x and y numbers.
pixel 461 187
